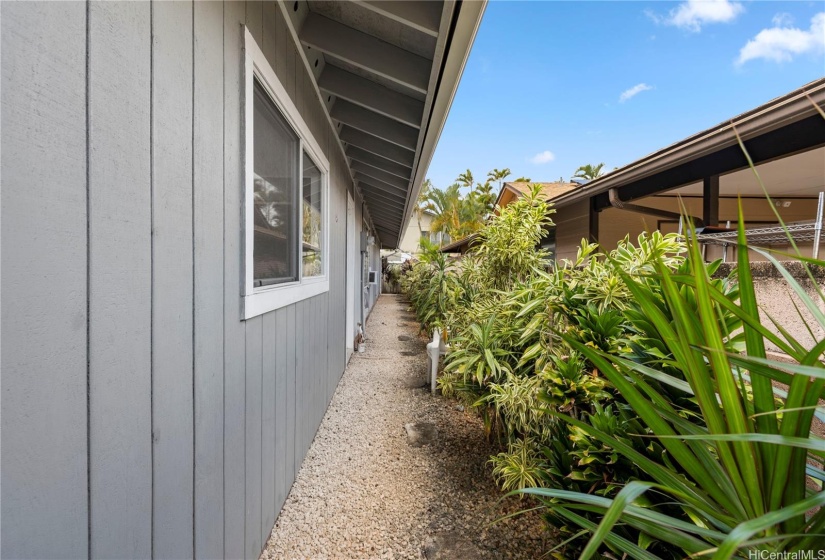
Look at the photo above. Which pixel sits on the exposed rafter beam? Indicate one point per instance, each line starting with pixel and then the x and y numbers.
pixel 380 185
pixel 391 199
pixel 375 124
pixel 357 154
pixel 382 100
pixel 377 146
pixel 367 52
pixel 422 16
pixel 394 221
pixel 389 203
pixel 394 215
pixel 376 173
pixel 390 232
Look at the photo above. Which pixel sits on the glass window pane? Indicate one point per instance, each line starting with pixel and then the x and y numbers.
pixel 276 183
pixel 312 219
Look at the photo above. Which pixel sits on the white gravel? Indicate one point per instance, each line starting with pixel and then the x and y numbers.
pixel 363 492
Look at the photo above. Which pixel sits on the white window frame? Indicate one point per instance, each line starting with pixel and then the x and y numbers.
pixel 263 299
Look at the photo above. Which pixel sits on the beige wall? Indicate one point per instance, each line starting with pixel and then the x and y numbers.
pixel 615 224
pixel 412 235
pixel 572 225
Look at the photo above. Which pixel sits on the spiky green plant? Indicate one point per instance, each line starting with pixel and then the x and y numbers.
pixel 735 474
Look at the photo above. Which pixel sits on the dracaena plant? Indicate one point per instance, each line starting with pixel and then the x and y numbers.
pixel 735 476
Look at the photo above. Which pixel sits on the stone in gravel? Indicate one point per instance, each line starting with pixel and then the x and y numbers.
pixel 403 338
pixel 449 546
pixel 420 433
pixel 414 382
pixel 459 407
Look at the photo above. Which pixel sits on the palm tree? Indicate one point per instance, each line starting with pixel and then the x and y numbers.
pixel 445 205
pixel 498 175
pixel 421 203
pixel 589 172
pixel 466 179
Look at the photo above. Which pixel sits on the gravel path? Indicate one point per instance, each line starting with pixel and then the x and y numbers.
pixel 364 492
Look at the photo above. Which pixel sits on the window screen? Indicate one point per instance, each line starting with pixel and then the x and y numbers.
pixel 312 237
pixel 276 152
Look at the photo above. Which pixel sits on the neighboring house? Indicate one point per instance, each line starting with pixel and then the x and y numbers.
pixel 194 197
pixel 708 172
pixel 510 192
pixel 420 227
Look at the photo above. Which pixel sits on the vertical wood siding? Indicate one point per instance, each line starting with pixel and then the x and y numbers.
pixel 44 467
pixel 120 280
pixel 208 180
pixel 172 279
pixel 197 420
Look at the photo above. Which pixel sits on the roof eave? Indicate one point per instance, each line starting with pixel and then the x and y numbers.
pixel 794 106
pixel 456 53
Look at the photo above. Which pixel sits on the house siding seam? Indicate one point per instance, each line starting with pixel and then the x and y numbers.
pixel 158 422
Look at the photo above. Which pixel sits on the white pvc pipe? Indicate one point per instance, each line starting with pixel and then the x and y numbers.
pixel 818 226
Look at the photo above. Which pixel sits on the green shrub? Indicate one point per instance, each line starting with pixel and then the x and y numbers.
pixel 631 390
pixel 733 476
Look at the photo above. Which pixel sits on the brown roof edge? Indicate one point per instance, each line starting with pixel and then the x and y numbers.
pixel 449 248
pixel 521 188
pixel 791 107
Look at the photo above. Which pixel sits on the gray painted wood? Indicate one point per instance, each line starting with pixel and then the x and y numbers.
pixel 292 460
pixel 120 280
pixel 254 20
pixel 268 458
pixel 293 62
pixel 254 381
pixel 172 280
pixel 209 278
pixel 300 382
pixel 279 39
pixel 283 424
pixel 234 332
pixel 44 280
pixel 234 404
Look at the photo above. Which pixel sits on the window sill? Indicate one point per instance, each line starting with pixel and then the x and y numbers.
pixel 269 299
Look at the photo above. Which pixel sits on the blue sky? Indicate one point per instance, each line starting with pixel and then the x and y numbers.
pixel 542 89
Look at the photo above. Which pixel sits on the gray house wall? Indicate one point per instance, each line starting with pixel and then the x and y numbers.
pixel 141 416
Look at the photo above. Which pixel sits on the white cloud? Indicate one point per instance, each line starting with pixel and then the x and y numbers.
pixel 783 19
pixel 543 157
pixel 781 42
pixel 635 90
pixel 693 14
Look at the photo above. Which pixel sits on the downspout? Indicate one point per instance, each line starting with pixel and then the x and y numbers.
pixel 616 202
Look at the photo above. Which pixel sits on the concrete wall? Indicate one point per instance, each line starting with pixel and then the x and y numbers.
pixel 142 417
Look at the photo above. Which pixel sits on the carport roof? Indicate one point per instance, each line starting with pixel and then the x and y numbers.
pixel 788 125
